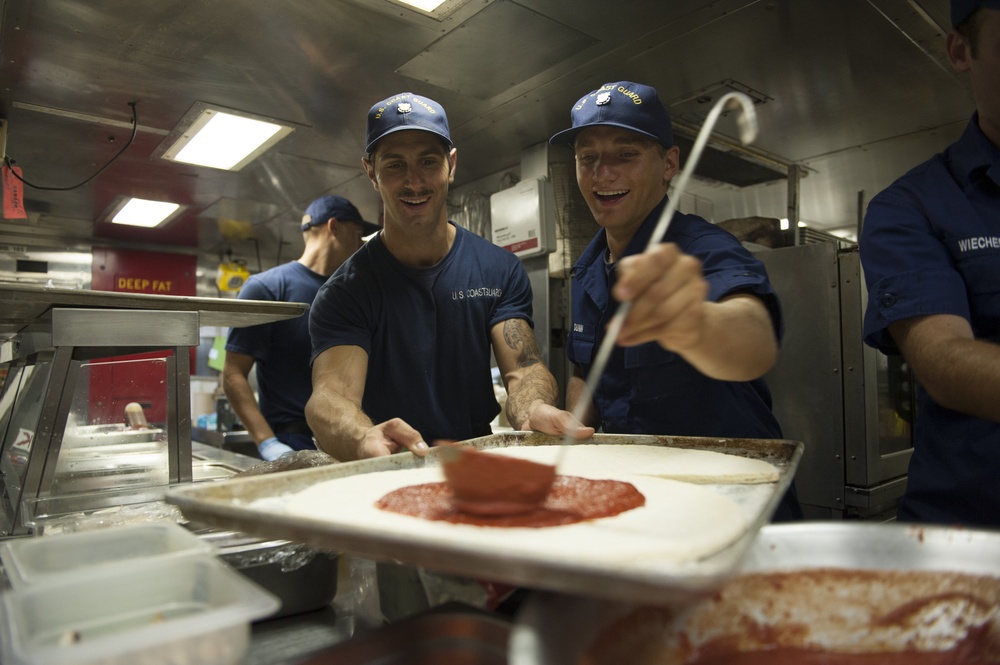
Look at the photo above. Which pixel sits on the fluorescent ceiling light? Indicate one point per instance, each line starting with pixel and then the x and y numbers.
pixel 145 213
pixel 426 5
pixel 223 140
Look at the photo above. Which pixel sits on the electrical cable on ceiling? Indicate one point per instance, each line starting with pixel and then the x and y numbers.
pixel 10 162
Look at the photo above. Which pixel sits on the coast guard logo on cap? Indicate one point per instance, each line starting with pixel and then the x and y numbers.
pixel 404 107
pixel 603 98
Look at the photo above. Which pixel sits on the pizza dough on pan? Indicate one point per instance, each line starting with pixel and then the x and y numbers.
pixel 680 522
pixel 685 464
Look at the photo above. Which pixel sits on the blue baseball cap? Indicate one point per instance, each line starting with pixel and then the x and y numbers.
pixel 624 104
pixel 325 207
pixel 963 9
pixel 405 111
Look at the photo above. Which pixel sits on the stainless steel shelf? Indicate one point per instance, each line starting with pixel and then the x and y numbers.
pixel 22 305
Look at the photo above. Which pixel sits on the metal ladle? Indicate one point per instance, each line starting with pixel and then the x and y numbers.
pixel 747 122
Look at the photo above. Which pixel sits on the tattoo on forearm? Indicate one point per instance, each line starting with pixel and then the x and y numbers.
pixel 519 338
pixel 536 384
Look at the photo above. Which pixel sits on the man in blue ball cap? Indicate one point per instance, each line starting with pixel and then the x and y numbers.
pixel 403 332
pixel 930 248
pixel 704 323
pixel 332 229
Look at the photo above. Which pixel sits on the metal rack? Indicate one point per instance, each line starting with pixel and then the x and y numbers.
pixel 45 336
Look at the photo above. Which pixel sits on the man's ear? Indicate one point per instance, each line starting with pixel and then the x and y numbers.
pixel 959 52
pixel 370 170
pixel 672 158
pixel 452 162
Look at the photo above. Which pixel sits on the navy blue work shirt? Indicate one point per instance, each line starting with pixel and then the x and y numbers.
pixel 280 349
pixel 646 389
pixel 930 244
pixel 426 331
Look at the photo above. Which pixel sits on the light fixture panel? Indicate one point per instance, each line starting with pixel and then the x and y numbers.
pixel 143 212
pixel 425 5
pixel 223 139
pixel 437 10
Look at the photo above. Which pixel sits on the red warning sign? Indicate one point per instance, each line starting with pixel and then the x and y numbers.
pixel 13 193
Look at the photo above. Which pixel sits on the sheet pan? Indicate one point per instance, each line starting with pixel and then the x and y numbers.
pixel 230 504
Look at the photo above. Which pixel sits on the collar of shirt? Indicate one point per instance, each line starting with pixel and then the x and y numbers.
pixel 973 156
pixel 597 250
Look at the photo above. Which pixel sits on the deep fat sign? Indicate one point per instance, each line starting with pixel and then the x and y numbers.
pixel 144 285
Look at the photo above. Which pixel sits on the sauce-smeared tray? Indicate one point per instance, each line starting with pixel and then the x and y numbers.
pixel 810 592
pixel 705 500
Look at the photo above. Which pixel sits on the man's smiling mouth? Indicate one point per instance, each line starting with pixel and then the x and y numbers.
pixel 611 195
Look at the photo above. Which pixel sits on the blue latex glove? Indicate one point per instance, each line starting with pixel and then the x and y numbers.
pixel 272 449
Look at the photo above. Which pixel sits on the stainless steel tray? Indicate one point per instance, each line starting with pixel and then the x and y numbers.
pixel 226 504
pixel 557 628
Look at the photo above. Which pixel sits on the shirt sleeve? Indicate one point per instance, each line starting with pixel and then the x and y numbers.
pixel 253 341
pixel 515 303
pixel 730 268
pixel 337 317
pixel 908 270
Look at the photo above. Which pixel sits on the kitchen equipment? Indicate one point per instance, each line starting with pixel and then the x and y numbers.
pixel 301 577
pixel 253 505
pixel 852 405
pixel 94 457
pixel 49 340
pixel 550 626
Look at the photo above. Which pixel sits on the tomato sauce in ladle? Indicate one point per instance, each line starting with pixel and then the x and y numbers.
pixel 495 485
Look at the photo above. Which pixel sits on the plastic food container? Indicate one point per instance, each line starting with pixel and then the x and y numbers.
pixel 189 610
pixel 51 558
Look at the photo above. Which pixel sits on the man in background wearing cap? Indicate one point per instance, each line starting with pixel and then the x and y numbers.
pixel 930 248
pixel 402 333
pixel 332 230
pixel 704 324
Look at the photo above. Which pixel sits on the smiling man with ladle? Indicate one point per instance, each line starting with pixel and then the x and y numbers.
pixel 704 322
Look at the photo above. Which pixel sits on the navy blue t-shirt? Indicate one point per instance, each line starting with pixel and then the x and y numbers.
pixel 426 331
pixel 930 244
pixel 646 389
pixel 280 349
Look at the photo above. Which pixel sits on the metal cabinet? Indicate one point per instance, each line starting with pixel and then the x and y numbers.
pixel 852 406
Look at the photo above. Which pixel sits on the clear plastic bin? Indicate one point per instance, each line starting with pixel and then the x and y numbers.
pixel 190 610
pixel 50 558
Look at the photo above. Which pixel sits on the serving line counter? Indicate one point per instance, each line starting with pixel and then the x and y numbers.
pixel 63 470
pixel 49 340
